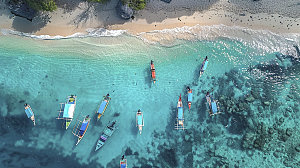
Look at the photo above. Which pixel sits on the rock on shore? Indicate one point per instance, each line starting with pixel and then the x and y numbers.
pixel 124 10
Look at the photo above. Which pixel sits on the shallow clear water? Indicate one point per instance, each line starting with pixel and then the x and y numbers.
pixel 44 72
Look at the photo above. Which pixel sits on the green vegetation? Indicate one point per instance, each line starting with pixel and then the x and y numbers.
pixel 135 4
pixel 42 5
pixel 39 5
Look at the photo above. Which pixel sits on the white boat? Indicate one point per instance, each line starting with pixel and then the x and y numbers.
pixel 67 110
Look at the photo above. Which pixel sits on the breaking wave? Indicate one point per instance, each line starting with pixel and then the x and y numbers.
pixel 260 39
pixel 101 32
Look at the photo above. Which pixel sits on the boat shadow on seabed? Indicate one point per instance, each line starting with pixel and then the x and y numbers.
pixel 148 78
pixel 172 118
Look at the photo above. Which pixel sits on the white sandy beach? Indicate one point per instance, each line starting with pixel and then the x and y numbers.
pixel 77 16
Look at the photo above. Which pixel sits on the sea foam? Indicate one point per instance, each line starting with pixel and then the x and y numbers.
pixel 101 32
pixel 261 39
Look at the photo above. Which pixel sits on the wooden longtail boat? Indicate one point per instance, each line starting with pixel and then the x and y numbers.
pixel 203 66
pixel 29 113
pixel 139 120
pixel 153 71
pixel 81 127
pixel 103 106
pixel 123 162
pixel 108 131
pixel 213 105
pixel 180 115
pixel 190 97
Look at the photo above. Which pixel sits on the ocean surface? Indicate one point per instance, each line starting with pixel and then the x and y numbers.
pixel 253 74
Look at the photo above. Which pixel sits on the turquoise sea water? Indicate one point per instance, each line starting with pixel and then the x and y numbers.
pixel 255 79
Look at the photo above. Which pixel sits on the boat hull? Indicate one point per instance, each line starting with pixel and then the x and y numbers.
pixel 100 114
pixel 107 132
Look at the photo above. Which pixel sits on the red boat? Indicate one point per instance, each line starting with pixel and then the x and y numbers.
pixel 153 72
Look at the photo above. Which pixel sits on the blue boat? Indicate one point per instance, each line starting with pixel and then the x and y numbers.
pixel 190 97
pixel 123 162
pixel 139 120
pixel 29 113
pixel 103 106
pixel 180 115
pixel 203 66
pixel 79 132
pixel 212 105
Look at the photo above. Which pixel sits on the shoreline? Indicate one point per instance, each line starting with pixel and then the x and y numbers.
pixel 156 16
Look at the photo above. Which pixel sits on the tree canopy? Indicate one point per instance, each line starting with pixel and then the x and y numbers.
pixel 135 4
pixel 39 5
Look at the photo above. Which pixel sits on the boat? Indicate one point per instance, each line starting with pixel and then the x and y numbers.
pixel 190 97
pixel 139 120
pixel 153 72
pixel 123 162
pixel 67 110
pixel 29 113
pixel 81 127
pixel 203 66
pixel 108 131
pixel 180 115
pixel 213 107
pixel 103 106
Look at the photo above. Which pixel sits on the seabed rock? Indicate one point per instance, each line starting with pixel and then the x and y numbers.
pixel 168 156
pixel 276 154
pixel 187 137
pixel 271 130
pixel 128 151
pixel 250 98
pixel 289 132
pixel 266 103
pixel 248 140
pixel 297 148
